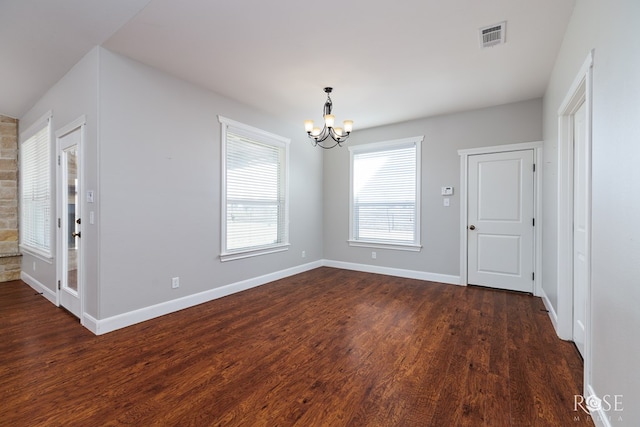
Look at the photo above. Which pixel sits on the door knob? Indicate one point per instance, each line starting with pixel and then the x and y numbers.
pixel 76 234
pixel 472 227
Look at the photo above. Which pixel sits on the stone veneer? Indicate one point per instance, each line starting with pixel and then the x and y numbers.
pixel 9 251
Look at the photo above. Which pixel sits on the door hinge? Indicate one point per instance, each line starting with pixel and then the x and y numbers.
pixel 534 167
pixel 533 276
pixel 533 221
pixel 59 223
pixel 58 160
pixel 58 284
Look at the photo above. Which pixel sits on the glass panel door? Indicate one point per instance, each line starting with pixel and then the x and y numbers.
pixel 69 222
pixel 72 218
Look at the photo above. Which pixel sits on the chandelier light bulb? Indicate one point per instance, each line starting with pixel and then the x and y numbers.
pixel 329 120
pixel 308 125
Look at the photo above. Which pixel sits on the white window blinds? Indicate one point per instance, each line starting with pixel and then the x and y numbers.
pixel 35 190
pixel 385 197
pixel 255 210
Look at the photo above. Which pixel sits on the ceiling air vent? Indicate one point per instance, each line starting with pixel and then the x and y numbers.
pixel 493 35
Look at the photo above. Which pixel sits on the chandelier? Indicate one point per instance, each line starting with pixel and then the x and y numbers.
pixel 339 135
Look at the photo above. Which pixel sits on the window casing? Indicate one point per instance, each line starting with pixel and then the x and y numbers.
pixel 385 194
pixel 35 188
pixel 255 191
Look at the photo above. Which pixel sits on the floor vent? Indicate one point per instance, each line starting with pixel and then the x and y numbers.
pixel 493 35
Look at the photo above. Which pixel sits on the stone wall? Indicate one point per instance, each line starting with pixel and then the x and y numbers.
pixel 9 252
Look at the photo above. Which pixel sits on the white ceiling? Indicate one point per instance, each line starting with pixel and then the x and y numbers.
pixel 387 61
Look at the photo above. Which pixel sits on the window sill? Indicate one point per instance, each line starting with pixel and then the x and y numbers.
pixel 48 258
pixel 230 256
pixel 410 247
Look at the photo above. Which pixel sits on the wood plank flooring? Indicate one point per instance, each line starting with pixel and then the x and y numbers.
pixel 328 347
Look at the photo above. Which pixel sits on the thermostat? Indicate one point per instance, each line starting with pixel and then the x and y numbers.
pixel 447 191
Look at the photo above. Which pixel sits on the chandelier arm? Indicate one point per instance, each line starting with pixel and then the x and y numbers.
pixel 335 136
pixel 326 133
pixel 328 147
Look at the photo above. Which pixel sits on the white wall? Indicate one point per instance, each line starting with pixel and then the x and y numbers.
pixel 444 136
pixel 613 30
pixel 160 189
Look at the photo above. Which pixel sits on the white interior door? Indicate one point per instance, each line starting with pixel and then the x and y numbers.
pixel 580 227
pixel 500 221
pixel 70 222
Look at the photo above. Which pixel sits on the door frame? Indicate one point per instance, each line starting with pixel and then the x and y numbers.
pixel 79 123
pixel 580 91
pixel 536 146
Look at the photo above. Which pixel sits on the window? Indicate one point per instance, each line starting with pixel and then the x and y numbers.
pixel 254 191
pixel 385 194
pixel 35 188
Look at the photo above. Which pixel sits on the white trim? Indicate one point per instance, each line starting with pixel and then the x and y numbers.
pixel 579 91
pixel 383 146
pixel 272 140
pixel 77 124
pixel 537 147
pixel 37 254
pixel 375 146
pixel 52 296
pixel 397 272
pixel 600 417
pixel 224 257
pixel 501 148
pixel 119 321
pixel 90 322
pixel 383 245
pixel 36 126
pixel 103 326
pixel 552 312
pixel 45 120
pixel 254 130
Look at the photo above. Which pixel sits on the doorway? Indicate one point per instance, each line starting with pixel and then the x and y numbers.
pixel 499 216
pixel 574 215
pixel 500 220
pixel 70 267
pixel 580 227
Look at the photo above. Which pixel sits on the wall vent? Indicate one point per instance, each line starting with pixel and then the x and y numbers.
pixel 493 35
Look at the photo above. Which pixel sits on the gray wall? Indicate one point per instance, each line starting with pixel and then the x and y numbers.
pixel 613 30
pixel 160 189
pixel 152 157
pixel 73 96
pixel 443 136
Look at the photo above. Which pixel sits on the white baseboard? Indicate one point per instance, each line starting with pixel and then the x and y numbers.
pixel 109 324
pixel 600 416
pixel 552 313
pixel 39 287
pixel 90 322
pixel 398 272
pixel 103 326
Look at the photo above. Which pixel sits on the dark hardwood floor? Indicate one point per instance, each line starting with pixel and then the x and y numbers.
pixel 324 348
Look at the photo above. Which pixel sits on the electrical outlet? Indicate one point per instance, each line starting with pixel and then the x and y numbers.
pixel 373 255
pixel 304 254
pixel 175 282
